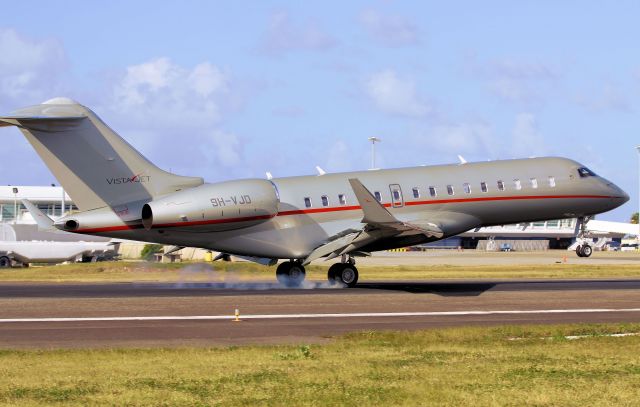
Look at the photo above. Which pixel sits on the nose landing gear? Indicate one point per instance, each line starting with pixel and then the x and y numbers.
pixel 583 249
pixel 344 273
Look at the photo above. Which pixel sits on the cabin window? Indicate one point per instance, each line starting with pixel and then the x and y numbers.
pixel 342 199
pixel 416 192
pixel 325 200
pixel 534 183
pixel 501 185
pixel 552 182
pixel 450 189
pixel 467 188
pixel 396 195
pixel 517 184
pixel 432 191
pixel 378 196
pixel 483 186
pixel 307 202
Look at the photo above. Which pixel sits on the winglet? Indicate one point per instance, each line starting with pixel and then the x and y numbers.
pixel 44 222
pixel 374 212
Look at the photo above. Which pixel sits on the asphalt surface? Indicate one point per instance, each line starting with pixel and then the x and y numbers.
pixel 104 315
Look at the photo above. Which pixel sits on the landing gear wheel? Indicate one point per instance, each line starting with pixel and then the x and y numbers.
pixel 5 262
pixel 586 250
pixel 346 273
pixel 579 251
pixel 290 274
pixel 333 272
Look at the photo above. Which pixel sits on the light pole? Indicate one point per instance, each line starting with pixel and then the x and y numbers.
pixel 373 141
pixel 638 148
pixel 15 205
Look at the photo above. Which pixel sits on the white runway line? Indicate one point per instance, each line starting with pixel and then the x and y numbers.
pixel 345 315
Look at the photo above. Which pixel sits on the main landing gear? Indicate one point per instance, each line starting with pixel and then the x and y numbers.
pixel 344 272
pixel 292 274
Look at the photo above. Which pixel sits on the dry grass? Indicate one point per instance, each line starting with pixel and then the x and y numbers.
pixel 460 366
pixel 219 271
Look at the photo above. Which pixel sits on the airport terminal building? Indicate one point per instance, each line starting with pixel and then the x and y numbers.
pixel 51 200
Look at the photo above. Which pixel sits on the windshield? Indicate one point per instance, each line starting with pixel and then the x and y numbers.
pixel 585 172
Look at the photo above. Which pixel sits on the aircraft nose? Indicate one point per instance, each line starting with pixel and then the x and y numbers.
pixel 618 195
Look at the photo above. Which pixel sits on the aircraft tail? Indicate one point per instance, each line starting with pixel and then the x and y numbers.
pixel 96 167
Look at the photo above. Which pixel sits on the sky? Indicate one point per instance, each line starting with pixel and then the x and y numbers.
pixel 230 90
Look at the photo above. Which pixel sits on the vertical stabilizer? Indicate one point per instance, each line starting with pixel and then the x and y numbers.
pixel 94 164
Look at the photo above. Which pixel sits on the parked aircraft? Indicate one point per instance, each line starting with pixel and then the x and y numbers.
pixel 333 216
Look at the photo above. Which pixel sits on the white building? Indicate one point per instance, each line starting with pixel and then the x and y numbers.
pixel 51 200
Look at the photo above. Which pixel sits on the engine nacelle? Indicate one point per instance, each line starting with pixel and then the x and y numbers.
pixel 214 207
pixel 93 221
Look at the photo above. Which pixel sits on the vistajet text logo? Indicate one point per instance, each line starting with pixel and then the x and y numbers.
pixel 141 179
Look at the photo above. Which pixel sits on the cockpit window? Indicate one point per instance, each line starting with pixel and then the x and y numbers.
pixel 585 172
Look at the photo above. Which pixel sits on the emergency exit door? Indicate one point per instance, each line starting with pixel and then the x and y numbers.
pixel 396 196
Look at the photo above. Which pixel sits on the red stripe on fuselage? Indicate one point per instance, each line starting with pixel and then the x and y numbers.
pixel 175 224
pixel 340 209
pixel 443 201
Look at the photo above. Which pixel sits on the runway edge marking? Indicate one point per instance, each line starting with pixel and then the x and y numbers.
pixel 342 315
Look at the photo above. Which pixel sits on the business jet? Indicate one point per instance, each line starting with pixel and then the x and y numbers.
pixel 338 216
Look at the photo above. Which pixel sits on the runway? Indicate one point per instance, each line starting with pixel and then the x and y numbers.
pixel 104 315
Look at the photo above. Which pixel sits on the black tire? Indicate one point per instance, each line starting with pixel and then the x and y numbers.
pixel 290 274
pixel 5 262
pixel 347 275
pixel 579 251
pixel 587 251
pixel 334 270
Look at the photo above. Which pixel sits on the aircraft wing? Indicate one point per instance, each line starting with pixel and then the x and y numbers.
pixel 379 224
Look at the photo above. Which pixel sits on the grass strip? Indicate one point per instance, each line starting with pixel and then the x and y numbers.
pixel 225 271
pixel 441 367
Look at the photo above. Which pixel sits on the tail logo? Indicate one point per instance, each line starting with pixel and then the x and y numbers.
pixel 138 178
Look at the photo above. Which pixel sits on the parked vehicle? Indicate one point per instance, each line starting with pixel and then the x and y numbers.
pixel 629 247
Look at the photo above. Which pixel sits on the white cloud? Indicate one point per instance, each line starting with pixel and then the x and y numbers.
pixel 170 94
pixel 608 98
pixel 207 79
pixel 478 139
pixel 339 157
pixel 284 36
pixel 175 113
pixel 30 70
pixel 227 148
pixel 527 140
pixel 389 30
pixel 394 95
pixel 460 137
pixel 515 81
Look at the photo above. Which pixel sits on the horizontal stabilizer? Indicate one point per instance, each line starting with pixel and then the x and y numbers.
pixel 36 121
pixel 44 222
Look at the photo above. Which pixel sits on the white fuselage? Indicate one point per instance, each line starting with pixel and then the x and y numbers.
pixel 314 209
